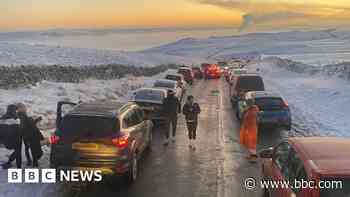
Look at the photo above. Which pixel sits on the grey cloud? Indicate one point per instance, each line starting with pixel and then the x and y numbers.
pixel 256 18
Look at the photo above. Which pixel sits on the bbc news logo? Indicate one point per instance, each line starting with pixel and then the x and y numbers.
pixel 52 175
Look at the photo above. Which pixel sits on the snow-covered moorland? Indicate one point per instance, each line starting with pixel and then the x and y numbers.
pixel 311 56
pixel 313 79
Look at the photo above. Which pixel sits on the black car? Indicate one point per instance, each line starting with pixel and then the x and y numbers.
pixel 151 101
pixel 109 137
pixel 245 83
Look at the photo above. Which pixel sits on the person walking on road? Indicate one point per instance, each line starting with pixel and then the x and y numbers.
pixel 191 111
pixel 31 136
pixel 249 131
pixel 11 136
pixel 172 107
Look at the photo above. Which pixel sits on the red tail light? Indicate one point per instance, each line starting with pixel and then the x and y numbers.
pixel 285 104
pixel 121 141
pixel 54 139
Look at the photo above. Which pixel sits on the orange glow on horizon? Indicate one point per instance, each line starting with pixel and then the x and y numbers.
pixel 41 14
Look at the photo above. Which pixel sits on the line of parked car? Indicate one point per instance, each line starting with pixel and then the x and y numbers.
pixel 112 136
pixel 248 88
pixel 313 160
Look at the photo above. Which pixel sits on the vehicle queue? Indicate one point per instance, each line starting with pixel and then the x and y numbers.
pixel 318 162
pixel 113 136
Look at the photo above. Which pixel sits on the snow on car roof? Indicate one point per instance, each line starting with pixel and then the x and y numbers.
pixel 108 109
pixel 263 94
pixel 165 81
pixel 151 89
pixel 174 74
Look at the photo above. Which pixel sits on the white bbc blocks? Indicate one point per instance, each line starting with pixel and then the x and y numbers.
pixel 14 175
pixel 48 175
pixel 31 176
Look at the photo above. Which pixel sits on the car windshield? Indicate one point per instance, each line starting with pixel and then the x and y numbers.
pixel 164 84
pixel 337 188
pixel 149 95
pixel 88 126
pixel 269 103
pixel 250 83
pixel 173 77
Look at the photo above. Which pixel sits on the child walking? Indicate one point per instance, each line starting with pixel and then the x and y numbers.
pixel 191 111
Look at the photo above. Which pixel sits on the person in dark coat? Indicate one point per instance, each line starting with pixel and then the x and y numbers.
pixel 11 136
pixel 191 111
pixel 172 107
pixel 31 136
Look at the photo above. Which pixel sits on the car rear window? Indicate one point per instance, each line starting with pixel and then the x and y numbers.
pixel 337 188
pixel 269 103
pixel 250 83
pixel 161 84
pixel 173 77
pixel 149 95
pixel 88 126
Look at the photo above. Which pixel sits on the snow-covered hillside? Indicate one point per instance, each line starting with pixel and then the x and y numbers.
pixel 303 51
pixel 304 71
pixel 37 54
pixel 307 68
pixel 331 45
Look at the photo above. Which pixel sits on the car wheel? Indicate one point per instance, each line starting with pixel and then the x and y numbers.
pixel 133 170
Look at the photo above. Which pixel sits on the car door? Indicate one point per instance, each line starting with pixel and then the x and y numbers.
pixel 131 125
pixel 280 168
pixel 144 128
pixel 61 108
pixel 297 174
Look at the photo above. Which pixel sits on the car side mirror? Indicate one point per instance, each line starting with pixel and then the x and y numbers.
pixel 266 153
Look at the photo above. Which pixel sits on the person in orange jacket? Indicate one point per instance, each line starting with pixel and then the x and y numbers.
pixel 249 131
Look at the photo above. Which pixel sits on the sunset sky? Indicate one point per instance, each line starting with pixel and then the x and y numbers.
pixel 245 15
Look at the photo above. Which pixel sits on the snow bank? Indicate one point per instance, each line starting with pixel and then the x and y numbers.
pixel 319 103
pixel 293 66
pixel 340 70
pixel 43 97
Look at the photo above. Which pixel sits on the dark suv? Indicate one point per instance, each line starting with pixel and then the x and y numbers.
pixel 109 137
pixel 187 73
pixel 245 83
